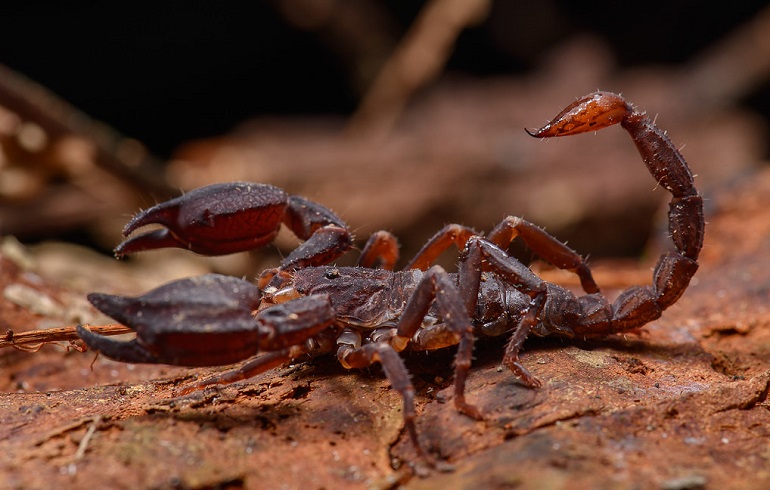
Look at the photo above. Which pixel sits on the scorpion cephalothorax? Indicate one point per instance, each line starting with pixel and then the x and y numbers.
pixel 368 314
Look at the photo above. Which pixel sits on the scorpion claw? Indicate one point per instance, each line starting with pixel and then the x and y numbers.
pixel 161 238
pixel 218 219
pixel 131 351
pixel 206 321
pixel 201 321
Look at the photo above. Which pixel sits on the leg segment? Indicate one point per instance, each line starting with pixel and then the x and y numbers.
pixel 542 243
pixel 546 246
pixel 247 370
pixel 482 255
pixel 437 285
pixel 440 242
pixel 380 251
pixel 520 334
pixel 352 355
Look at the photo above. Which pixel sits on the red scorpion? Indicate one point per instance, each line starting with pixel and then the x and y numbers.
pixel 367 315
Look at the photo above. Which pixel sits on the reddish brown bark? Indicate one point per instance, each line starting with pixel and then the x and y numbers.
pixel 683 405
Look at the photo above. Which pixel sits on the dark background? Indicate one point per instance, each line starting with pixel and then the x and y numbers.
pixel 171 72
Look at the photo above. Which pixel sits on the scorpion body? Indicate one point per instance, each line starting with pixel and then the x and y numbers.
pixel 369 313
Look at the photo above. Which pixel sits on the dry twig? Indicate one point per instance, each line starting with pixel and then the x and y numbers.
pixel 418 59
pixel 32 340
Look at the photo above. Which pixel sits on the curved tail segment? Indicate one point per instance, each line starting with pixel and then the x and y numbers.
pixel 639 305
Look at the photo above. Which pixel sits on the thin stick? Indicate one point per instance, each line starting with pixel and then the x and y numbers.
pixel 32 339
pixel 87 437
pixel 74 425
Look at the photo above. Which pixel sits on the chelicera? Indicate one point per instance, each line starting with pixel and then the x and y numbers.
pixel 369 313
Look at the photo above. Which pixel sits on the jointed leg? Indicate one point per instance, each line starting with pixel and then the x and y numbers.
pixel 542 243
pixel 511 356
pixel 546 246
pixel 440 242
pixel 437 285
pixel 247 370
pixel 396 372
pixel 380 251
pixel 484 255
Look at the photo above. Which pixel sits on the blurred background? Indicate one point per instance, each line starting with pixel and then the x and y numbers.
pixel 401 115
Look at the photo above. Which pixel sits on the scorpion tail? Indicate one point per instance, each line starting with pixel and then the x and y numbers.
pixel 639 305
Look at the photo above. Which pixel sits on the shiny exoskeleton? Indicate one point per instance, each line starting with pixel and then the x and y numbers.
pixel 369 313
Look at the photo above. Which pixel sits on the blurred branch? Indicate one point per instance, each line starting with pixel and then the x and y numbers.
pixel 418 59
pixel 115 152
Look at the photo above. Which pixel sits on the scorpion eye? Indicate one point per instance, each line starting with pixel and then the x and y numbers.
pixel 332 274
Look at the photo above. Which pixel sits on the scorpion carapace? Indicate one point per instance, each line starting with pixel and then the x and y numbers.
pixel 368 314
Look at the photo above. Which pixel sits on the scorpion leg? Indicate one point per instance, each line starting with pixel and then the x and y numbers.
pixel 437 285
pixel 546 246
pixel 542 243
pixel 520 334
pixel 354 355
pixel 247 370
pixel 639 305
pixel 482 255
pixel 441 241
pixel 380 251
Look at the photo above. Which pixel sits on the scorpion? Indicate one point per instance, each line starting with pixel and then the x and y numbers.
pixel 368 313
